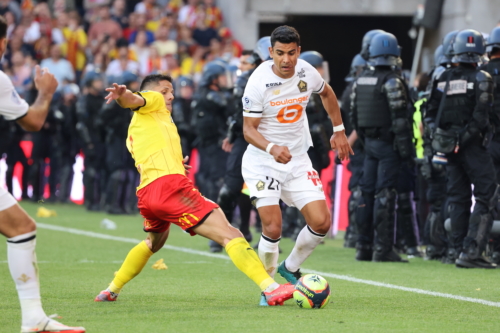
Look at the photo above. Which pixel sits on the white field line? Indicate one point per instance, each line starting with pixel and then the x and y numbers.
pixel 222 256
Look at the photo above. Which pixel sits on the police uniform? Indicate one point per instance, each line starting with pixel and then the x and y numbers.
pixel 465 116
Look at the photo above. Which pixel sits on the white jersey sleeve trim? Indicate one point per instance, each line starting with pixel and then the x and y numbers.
pixel 320 89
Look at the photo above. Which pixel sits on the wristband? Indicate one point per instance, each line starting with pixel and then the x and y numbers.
pixel 268 148
pixel 338 128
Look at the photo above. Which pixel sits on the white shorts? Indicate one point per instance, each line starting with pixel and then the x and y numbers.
pixel 296 183
pixel 6 199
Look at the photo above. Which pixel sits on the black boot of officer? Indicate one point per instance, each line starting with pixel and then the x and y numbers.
pixel 462 132
pixel 380 114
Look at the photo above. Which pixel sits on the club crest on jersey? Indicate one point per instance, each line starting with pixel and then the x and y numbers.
pixel 302 86
pixel 301 73
pixel 276 92
pixel 275 84
pixel 260 185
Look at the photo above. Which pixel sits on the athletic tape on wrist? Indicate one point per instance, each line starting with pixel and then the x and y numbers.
pixel 268 148
pixel 338 128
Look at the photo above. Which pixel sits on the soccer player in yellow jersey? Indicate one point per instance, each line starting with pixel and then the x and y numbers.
pixel 166 195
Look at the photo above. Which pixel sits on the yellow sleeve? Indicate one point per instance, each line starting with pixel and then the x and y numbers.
pixel 82 37
pixel 153 101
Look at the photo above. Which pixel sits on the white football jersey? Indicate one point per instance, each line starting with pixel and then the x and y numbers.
pixel 281 103
pixel 12 106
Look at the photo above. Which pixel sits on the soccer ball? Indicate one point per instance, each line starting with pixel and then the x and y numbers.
pixel 312 291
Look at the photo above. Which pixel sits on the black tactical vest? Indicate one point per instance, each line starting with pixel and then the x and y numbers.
pixel 493 67
pixel 461 97
pixel 371 103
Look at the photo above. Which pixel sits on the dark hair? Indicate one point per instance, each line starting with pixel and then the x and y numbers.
pixel 154 78
pixel 285 35
pixel 3 27
pixel 246 52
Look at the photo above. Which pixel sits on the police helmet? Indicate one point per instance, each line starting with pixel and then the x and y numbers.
pixel 261 51
pixel 494 38
pixel 356 64
pixel 439 57
pixel 468 46
pixel 384 50
pixel 213 70
pixel 127 78
pixel 314 58
pixel 365 44
pixel 447 41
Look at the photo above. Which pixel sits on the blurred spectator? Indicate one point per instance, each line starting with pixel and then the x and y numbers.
pixel 42 48
pixel 57 7
pixel 10 6
pixel 154 63
pixel 75 43
pixel 203 34
pixel 163 43
pixel 193 66
pixel 214 50
pixel 44 19
pixel 32 32
pixel 144 6
pixel 59 67
pixel 57 31
pixel 11 23
pixel 213 15
pixel 170 23
pixel 105 26
pixel 140 21
pixel 187 45
pixel 228 39
pixel 141 50
pixel 20 73
pixel 153 18
pixel 122 63
pixel 119 13
pixel 188 14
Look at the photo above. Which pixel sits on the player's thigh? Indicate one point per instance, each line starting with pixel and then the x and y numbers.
pixel 217 228
pixel 156 240
pixel 14 220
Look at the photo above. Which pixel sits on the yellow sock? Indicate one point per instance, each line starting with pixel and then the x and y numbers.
pixel 247 261
pixel 133 265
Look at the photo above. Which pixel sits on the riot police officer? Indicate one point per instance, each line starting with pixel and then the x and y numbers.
pixel 88 106
pixel 380 115
pixel 493 68
pixel 210 114
pixel 182 112
pixel 434 170
pixel 355 165
pixel 459 111
pixel 230 192
pixel 123 177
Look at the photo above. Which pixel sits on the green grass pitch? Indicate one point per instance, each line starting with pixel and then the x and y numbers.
pixel 205 294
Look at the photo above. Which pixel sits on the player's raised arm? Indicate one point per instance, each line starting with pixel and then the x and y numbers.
pixel 280 153
pixel 339 140
pixel 124 97
pixel 46 85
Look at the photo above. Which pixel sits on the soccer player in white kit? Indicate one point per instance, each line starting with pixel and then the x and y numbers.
pixel 15 223
pixel 276 165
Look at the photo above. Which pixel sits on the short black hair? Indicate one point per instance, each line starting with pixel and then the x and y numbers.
pixel 154 79
pixel 246 52
pixel 3 27
pixel 285 35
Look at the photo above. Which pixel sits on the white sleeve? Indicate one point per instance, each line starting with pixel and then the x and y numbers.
pixel 12 106
pixel 253 101
pixel 316 81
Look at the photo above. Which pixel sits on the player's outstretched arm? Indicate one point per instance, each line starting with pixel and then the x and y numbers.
pixel 339 140
pixel 46 85
pixel 124 97
pixel 281 154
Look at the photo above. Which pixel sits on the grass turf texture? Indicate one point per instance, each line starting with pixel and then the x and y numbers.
pixel 203 294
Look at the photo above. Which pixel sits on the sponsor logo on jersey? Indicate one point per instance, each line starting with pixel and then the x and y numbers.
pixel 314 177
pixel 290 101
pixel 456 87
pixel 247 103
pixel 302 86
pixel 470 42
pixel 260 185
pixel 301 73
pixel 269 85
pixel 367 81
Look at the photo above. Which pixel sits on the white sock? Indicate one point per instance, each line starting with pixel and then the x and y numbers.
pixel 269 253
pixel 24 270
pixel 272 287
pixel 305 244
